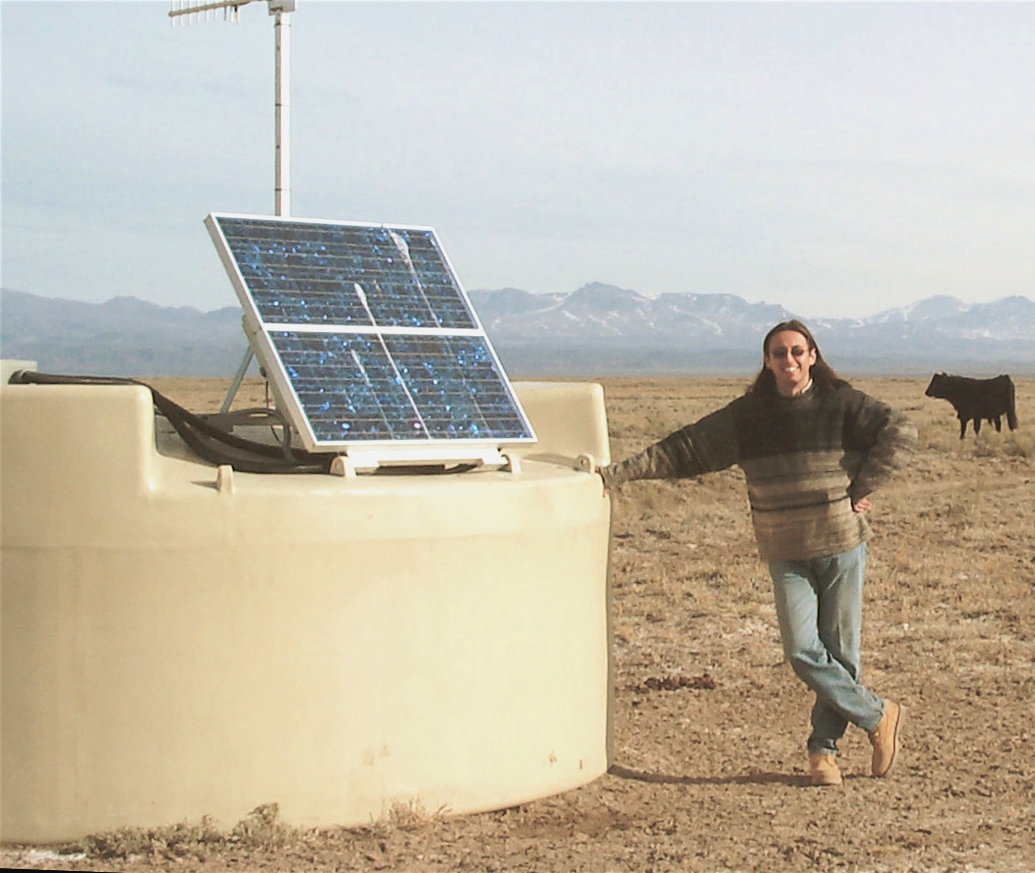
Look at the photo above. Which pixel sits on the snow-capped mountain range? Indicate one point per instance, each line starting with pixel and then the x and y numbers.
pixel 598 329
pixel 723 332
pixel 600 310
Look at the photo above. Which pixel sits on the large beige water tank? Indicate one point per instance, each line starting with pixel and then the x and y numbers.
pixel 177 644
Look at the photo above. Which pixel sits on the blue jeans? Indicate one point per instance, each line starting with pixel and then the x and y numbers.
pixel 819 607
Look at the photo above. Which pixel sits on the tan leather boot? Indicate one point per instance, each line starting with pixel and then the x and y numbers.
pixel 885 739
pixel 824 769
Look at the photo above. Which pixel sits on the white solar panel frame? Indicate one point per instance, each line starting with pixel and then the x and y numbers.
pixel 258 332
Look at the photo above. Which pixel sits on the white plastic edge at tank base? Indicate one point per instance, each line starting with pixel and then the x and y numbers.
pixel 172 650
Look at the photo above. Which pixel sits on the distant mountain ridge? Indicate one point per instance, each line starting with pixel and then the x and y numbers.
pixel 603 328
pixel 122 337
pixel 598 329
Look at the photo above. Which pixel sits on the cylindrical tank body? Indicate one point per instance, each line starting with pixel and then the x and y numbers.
pixel 177 645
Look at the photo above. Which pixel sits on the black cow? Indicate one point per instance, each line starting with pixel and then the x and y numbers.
pixel 977 399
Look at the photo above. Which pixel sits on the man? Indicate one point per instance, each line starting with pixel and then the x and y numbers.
pixel 813 449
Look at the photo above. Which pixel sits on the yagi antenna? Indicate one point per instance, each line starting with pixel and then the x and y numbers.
pixel 189 11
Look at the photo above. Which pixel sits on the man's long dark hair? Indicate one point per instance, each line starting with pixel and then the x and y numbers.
pixel 823 375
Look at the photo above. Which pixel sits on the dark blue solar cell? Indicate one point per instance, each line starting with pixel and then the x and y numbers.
pixel 456 387
pixel 347 387
pixel 293 274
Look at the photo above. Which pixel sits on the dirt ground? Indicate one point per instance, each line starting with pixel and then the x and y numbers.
pixel 710 723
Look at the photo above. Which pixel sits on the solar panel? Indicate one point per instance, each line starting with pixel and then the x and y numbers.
pixel 368 337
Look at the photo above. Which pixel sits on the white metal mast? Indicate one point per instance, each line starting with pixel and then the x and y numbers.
pixel 282 87
pixel 187 11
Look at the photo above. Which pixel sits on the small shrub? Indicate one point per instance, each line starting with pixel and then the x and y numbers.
pixel 411 816
pixel 122 843
pixel 261 828
pixel 170 841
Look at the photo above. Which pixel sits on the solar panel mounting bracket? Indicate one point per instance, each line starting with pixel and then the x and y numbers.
pixel 368 460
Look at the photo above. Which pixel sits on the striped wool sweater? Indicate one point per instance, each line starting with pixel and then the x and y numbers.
pixel 806 459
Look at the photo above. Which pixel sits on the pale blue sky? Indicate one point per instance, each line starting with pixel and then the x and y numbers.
pixel 838 158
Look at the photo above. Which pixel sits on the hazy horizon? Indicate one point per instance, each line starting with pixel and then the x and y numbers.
pixel 234 303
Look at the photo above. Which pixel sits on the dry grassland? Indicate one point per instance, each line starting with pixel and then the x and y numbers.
pixel 710 723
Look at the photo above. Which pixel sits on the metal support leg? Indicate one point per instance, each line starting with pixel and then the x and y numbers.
pixel 238 378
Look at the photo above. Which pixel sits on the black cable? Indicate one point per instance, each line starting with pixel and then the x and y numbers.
pixel 219 446
pixel 209 442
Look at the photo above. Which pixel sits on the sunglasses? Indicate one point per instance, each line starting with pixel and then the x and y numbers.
pixel 795 351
